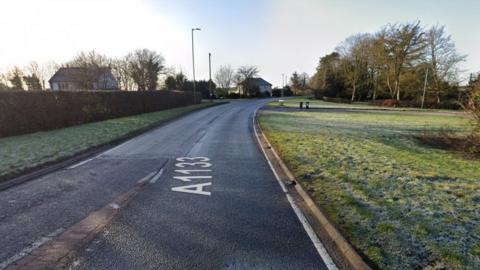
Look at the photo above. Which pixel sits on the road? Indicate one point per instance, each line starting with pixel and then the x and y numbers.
pixel 215 205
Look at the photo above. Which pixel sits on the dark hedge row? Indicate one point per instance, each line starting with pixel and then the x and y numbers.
pixel 26 112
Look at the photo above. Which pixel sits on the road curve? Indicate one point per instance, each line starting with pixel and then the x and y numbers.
pixel 216 204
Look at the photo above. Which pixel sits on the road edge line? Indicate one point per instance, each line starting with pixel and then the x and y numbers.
pixel 346 250
pixel 321 250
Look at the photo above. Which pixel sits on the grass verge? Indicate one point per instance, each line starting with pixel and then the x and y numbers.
pixel 401 203
pixel 26 152
pixel 320 104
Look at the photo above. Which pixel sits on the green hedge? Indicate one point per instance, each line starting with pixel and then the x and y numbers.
pixel 26 112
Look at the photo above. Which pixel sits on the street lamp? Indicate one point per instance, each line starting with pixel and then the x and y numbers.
pixel 193 63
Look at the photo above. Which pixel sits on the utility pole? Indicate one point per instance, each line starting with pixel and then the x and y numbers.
pixel 283 85
pixel 424 87
pixel 193 64
pixel 210 76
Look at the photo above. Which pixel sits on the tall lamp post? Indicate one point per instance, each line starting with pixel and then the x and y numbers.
pixel 210 90
pixel 193 64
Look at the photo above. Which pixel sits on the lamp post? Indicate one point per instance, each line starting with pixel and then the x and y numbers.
pixel 193 64
pixel 210 76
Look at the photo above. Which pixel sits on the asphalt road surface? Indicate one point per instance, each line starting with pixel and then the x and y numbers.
pixel 216 205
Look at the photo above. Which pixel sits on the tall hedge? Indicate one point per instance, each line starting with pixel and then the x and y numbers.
pixel 26 112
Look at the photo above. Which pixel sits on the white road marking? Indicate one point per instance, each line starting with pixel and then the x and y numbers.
pixel 188 172
pixel 97 156
pixel 194 189
pixel 184 164
pixel 190 178
pixel 156 177
pixel 115 206
pixel 81 163
pixel 146 178
pixel 29 249
pixel 301 217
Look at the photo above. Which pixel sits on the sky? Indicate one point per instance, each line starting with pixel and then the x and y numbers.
pixel 277 36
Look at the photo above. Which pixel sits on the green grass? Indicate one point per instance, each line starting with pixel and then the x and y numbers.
pixel 20 153
pixel 320 104
pixel 402 204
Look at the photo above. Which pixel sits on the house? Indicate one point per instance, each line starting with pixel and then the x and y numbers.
pixel 82 78
pixel 253 84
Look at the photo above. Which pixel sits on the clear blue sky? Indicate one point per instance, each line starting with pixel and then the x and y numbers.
pixel 278 36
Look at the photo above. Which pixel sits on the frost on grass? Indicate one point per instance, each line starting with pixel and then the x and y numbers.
pixel 402 204
pixel 28 151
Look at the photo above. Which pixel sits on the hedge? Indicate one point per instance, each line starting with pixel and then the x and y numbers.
pixel 24 112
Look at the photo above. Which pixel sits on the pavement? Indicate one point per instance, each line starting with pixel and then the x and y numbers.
pixel 214 203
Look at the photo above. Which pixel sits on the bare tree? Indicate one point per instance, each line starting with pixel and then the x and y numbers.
pixel 224 76
pixel 354 52
pixel 15 77
pixel 442 57
pixel 4 82
pixel 243 76
pixel 121 72
pixel 404 45
pixel 145 67
pixel 90 59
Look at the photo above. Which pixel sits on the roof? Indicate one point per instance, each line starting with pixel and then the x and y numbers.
pixel 78 74
pixel 258 81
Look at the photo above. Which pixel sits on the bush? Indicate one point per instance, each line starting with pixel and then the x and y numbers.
pixel 287 92
pixel 390 103
pixel 26 112
pixel 473 105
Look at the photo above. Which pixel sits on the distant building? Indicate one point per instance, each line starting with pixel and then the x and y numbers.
pixel 263 86
pixel 80 78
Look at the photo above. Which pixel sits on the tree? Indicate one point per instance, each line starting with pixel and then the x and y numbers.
pixel 90 59
pixel 32 82
pixel 328 80
pixel 145 67
pixel 354 61
pixel 170 83
pixel 244 74
pixel 121 72
pixel 37 74
pixel 296 83
pixel 224 77
pixel 404 45
pixel 15 79
pixel 442 57
pixel 4 82
pixel 473 102
pixel 92 65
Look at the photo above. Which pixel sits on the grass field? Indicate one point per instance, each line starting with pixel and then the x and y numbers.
pixel 320 104
pixel 402 204
pixel 20 153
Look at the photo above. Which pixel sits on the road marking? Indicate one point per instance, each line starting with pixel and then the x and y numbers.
pixel 301 217
pixel 29 249
pixel 188 172
pixel 184 164
pixel 190 178
pixel 196 162
pixel 115 205
pixel 81 163
pixel 194 189
pixel 103 153
pixel 156 177
pixel 146 178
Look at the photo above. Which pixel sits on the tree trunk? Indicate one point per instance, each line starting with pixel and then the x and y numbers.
pixel 353 92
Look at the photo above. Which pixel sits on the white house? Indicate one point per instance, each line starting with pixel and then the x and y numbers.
pixel 80 78
pixel 264 87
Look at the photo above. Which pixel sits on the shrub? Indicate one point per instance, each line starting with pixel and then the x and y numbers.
pixel 390 103
pixel 473 104
pixel 26 112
